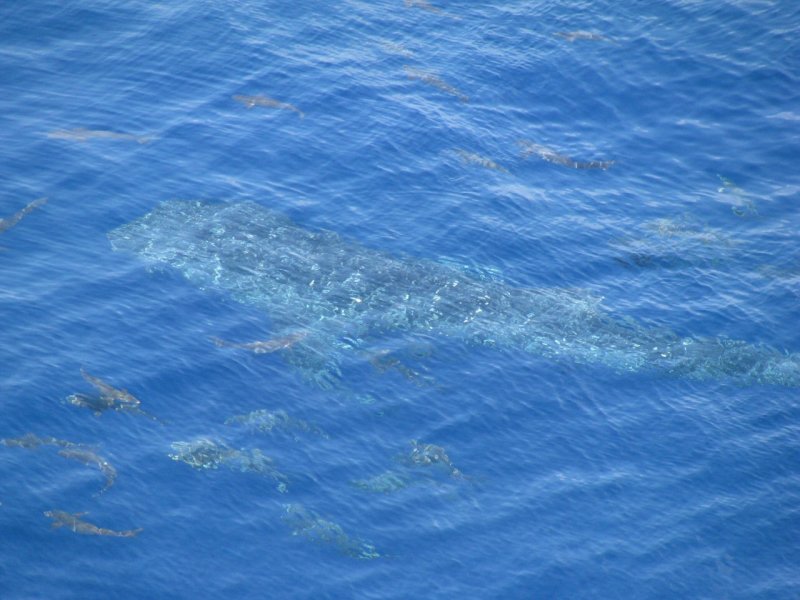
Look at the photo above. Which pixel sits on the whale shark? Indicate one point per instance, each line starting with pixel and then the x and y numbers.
pixel 344 294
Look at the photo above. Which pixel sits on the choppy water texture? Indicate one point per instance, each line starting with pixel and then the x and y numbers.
pixel 399 299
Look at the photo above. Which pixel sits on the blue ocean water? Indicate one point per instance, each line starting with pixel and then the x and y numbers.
pixel 436 133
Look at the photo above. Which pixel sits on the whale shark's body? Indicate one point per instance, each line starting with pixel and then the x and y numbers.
pixel 342 293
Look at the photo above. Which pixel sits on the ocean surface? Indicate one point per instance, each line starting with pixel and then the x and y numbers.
pixel 437 299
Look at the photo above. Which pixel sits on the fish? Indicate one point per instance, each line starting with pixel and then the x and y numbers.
pixel 743 206
pixel 552 156
pixel 428 7
pixel 571 36
pixel 115 396
pixel 385 483
pixel 110 398
pixel 203 453
pixel 253 101
pixel 81 134
pixel 29 440
pixel 345 295
pixel 674 243
pixel 89 457
pixel 436 82
pixel 309 524
pixel 263 347
pixel 97 404
pixel 77 525
pixel 9 222
pixel 477 159
pixel 266 421
pixel 383 360
pixel 430 454
pixel 394 48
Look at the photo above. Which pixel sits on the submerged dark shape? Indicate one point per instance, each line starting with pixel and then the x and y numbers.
pixel 571 36
pixel 204 453
pixel 81 134
pixel 384 360
pixel 430 454
pixel 110 393
pixel 253 101
pixel 435 81
pixel 743 205
pixel 266 421
pixel 428 7
pixel 552 156
pixel 673 243
pixel 477 159
pixel 70 450
pixel 421 455
pixel 8 222
pixel 77 525
pixel 309 524
pixel 89 457
pixel 384 483
pixel 29 440
pixel 110 398
pixel 343 293
pixel 266 346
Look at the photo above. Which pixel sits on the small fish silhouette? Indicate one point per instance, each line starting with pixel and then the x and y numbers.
pixel 88 457
pixel 266 346
pixel 81 134
pixel 549 155
pixel 77 525
pixel 571 36
pixel 9 222
pixel 436 82
pixel 253 101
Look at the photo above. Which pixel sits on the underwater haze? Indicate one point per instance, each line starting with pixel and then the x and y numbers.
pixel 399 299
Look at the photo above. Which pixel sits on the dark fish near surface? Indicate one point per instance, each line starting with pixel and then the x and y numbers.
pixel 9 222
pixel 30 440
pixel 430 454
pixel 426 6
pixel 571 36
pixel 77 525
pixel 81 134
pixel 110 398
pixel 384 360
pixel 344 294
pixel 477 159
pixel 88 457
pixel 435 81
pixel 549 155
pixel 264 347
pixel 97 404
pixel 253 101
pixel 266 421
pixel 204 453
pixel 385 483
pixel 743 205
pixel 309 524
pixel 110 393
